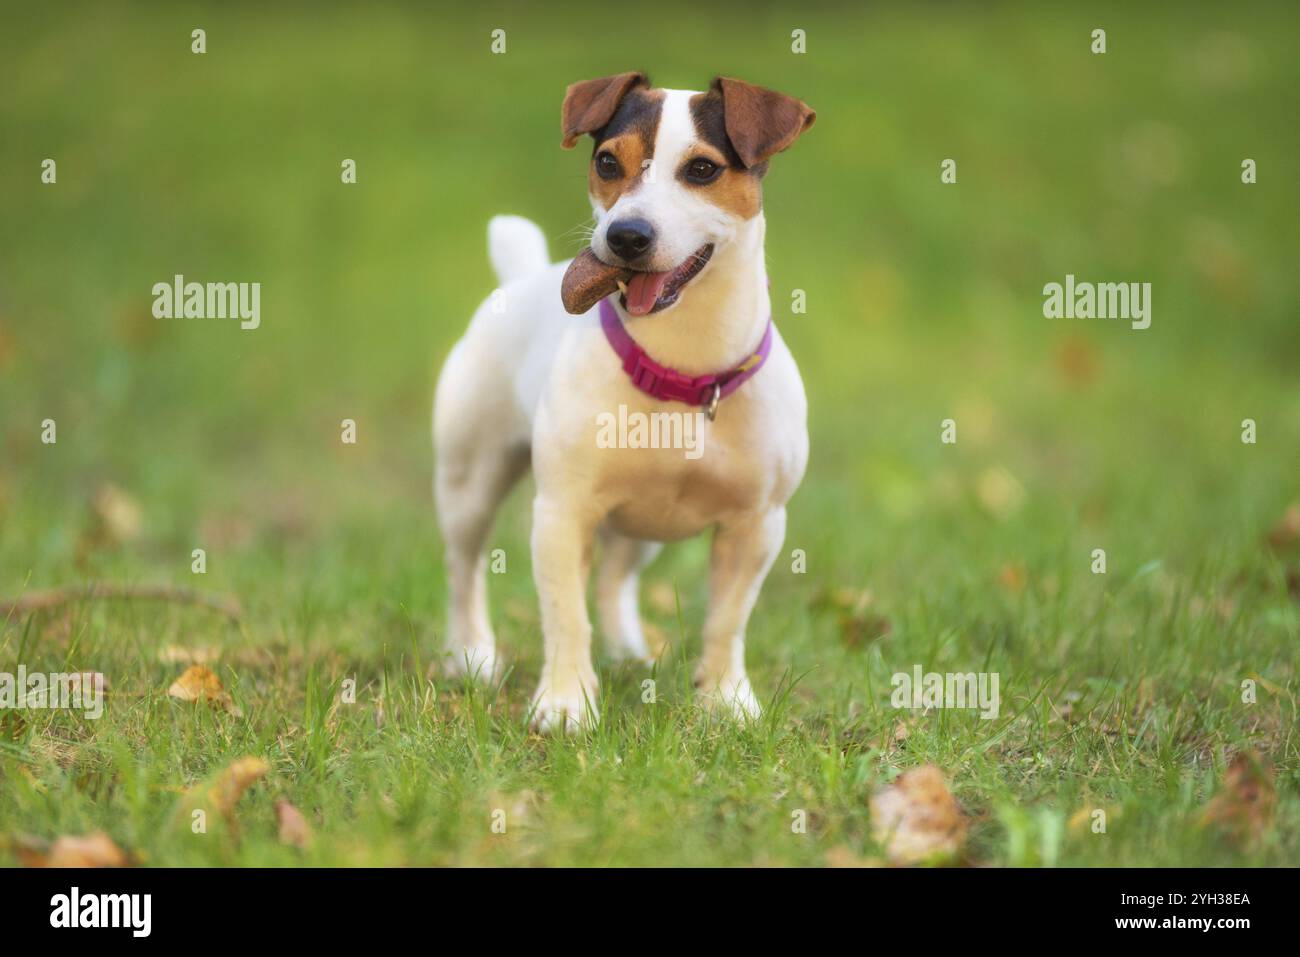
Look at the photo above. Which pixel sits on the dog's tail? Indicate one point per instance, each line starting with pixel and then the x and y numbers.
pixel 516 247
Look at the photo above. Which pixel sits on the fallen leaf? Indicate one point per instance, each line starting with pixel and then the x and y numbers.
pixel 294 829
pixel 198 683
pixel 119 517
pixel 1247 799
pixel 1286 533
pixel 843 857
pixel 212 801
pixel 229 785
pixel 30 851
pixel 90 850
pixel 917 819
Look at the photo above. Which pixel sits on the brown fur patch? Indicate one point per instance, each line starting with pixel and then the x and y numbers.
pixel 760 122
pixel 630 136
pixel 739 189
pixel 589 105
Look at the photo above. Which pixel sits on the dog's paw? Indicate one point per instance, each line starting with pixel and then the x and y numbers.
pixel 477 664
pixel 565 707
pixel 731 697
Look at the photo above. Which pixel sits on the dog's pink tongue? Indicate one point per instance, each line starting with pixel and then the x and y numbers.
pixel 642 291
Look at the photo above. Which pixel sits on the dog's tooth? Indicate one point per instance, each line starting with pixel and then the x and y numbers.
pixel 622 287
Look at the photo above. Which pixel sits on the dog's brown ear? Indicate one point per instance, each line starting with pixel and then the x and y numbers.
pixel 590 105
pixel 760 122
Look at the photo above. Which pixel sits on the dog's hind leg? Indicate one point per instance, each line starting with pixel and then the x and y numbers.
pixel 480 456
pixel 617 578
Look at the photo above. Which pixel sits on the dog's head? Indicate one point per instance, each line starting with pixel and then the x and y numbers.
pixel 674 174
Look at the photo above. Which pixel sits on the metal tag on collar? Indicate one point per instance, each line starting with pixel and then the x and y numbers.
pixel 711 410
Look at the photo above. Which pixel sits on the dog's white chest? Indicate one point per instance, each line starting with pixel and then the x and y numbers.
pixel 668 493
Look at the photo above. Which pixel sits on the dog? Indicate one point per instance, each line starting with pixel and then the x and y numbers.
pixel 673 316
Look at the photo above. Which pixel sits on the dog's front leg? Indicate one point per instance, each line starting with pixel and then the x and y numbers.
pixel 562 538
pixel 743 553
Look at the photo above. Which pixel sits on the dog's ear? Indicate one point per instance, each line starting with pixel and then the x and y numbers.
pixel 590 105
pixel 760 122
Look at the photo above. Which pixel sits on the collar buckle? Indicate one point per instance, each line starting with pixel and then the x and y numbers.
pixel 711 410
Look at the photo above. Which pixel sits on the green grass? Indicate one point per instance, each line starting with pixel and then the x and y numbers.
pixel 924 304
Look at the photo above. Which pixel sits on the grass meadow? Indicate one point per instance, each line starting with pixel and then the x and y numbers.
pixel 1120 692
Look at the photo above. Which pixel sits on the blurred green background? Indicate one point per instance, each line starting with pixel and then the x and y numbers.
pixel 924 303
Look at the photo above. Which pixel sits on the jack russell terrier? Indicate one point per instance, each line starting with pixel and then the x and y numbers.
pixel 666 312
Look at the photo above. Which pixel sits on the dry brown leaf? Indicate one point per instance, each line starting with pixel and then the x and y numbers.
pixel 119 517
pixel 1286 533
pixel 917 819
pixel 843 857
pixel 230 784
pixel 216 796
pixel 198 683
pixel 30 851
pixel 1245 803
pixel 294 829
pixel 90 850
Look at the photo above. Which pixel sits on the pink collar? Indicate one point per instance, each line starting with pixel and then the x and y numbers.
pixel 665 383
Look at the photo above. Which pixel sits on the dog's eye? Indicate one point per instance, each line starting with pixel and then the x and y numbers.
pixel 607 166
pixel 702 170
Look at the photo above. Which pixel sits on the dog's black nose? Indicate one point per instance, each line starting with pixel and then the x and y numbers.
pixel 630 238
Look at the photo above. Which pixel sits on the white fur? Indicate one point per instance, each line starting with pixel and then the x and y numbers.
pixel 516 247
pixel 529 378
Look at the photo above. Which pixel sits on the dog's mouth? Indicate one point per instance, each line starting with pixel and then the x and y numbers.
pixel 647 292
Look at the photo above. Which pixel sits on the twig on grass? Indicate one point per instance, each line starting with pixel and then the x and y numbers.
pixel 54 597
